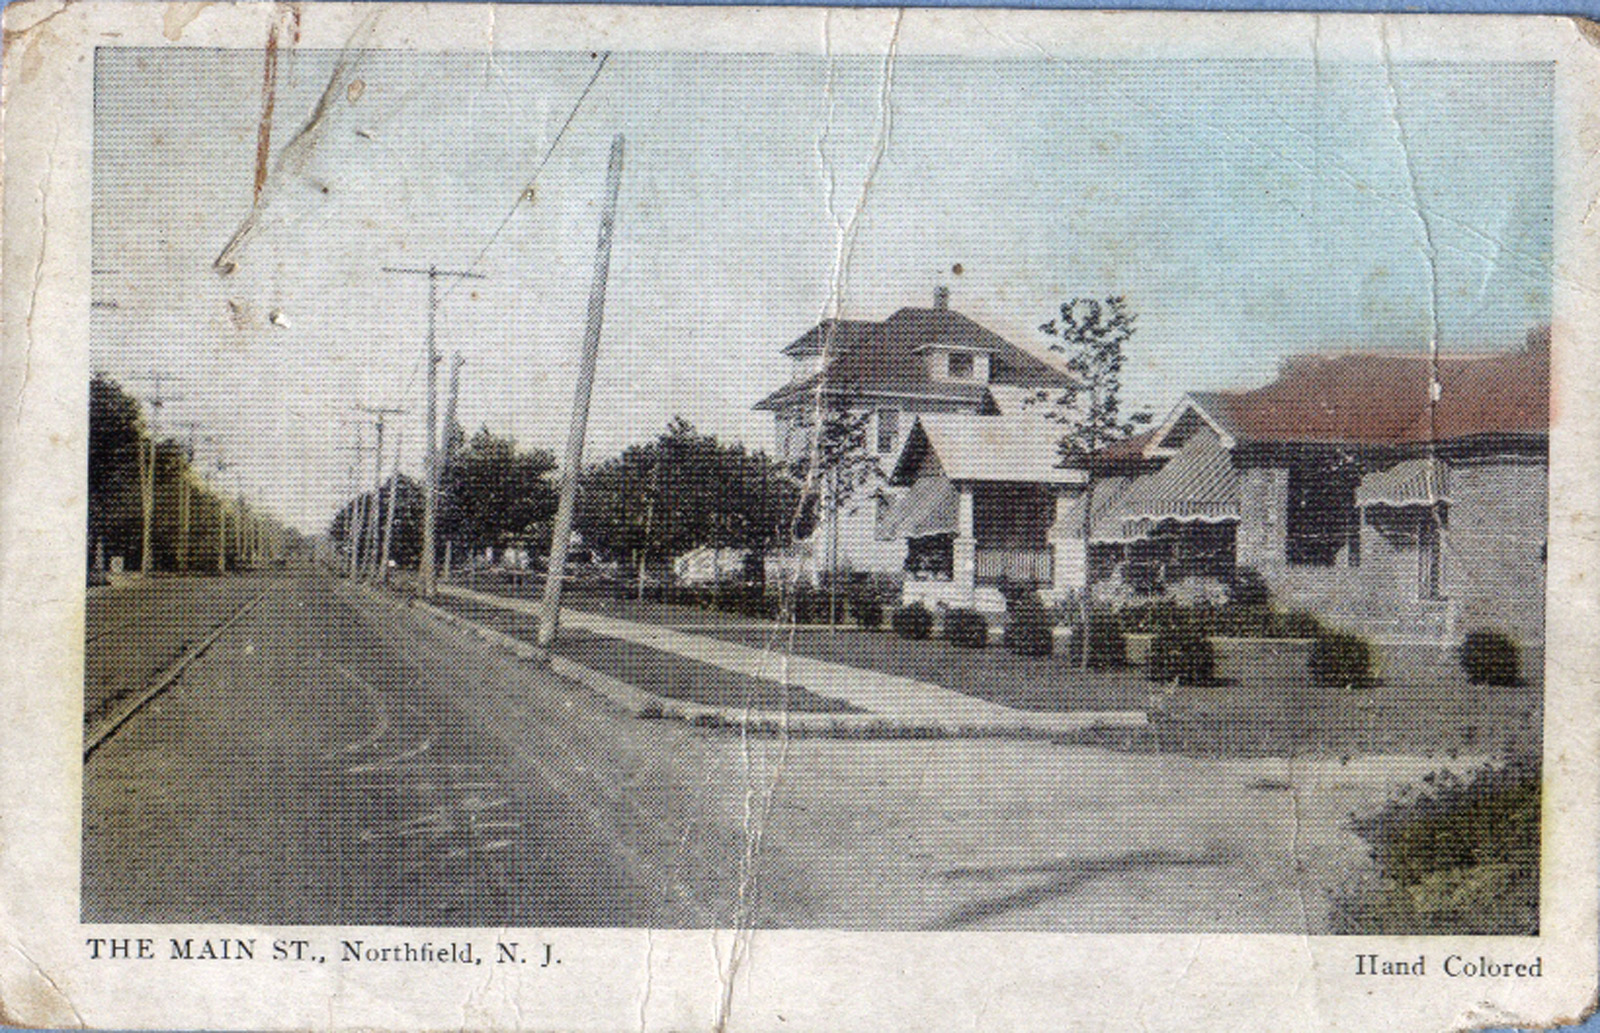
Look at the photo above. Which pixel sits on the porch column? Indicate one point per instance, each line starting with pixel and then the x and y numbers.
pixel 964 551
pixel 1071 552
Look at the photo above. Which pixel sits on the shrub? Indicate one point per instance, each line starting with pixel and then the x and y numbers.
pixel 1246 587
pixel 1028 629
pixel 867 610
pixel 1491 658
pixel 1181 653
pixel 1241 620
pixel 812 605
pixel 1108 646
pixel 1342 658
pixel 914 621
pixel 1294 624
pixel 1456 856
pixel 1144 618
pixel 966 628
pixel 753 600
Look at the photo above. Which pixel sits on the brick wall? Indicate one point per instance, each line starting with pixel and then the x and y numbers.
pixel 1493 573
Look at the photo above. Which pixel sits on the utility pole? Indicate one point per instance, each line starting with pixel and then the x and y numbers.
pixel 222 516
pixel 551 615
pixel 371 522
pixel 357 514
pixel 456 362
pixel 185 494
pixel 430 488
pixel 388 523
pixel 147 471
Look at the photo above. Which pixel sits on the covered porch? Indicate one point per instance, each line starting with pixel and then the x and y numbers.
pixel 979 514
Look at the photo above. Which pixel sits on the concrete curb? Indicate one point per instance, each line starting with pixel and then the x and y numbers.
pixel 104 728
pixel 644 704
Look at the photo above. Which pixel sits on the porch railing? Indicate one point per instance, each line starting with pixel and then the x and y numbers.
pixel 1034 567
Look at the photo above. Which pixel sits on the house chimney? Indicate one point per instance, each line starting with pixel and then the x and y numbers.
pixel 941 297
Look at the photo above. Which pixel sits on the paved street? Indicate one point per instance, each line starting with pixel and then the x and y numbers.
pixel 336 759
pixel 309 769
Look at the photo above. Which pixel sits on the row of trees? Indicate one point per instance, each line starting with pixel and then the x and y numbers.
pixel 654 501
pixel 148 489
pixel 686 490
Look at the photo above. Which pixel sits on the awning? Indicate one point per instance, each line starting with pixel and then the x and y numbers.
pixel 1105 524
pixel 1415 482
pixel 930 507
pixel 1198 484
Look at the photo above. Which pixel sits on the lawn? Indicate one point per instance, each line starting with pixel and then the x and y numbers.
pixel 661 673
pixel 607 603
pixel 994 674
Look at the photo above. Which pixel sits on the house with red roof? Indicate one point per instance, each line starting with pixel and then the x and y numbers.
pixel 1404 495
pixel 882 375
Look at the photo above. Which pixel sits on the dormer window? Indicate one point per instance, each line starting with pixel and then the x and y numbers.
pixel 961 366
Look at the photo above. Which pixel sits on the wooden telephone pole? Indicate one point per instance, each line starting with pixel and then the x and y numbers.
pixel 373 558
pixel 388 522
pixel 430 489
pixel 449 448
pixel 550 615
pixel 147 472
pixel 185 497
pixel 355 522
pixel 222 515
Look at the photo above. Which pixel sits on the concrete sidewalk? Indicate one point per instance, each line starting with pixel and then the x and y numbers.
pixel 898 699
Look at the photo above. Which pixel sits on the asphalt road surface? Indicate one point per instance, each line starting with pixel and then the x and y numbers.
pixel 319 764
pixel 337 758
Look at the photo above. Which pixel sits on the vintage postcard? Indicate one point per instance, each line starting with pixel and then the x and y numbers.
pixel 564 518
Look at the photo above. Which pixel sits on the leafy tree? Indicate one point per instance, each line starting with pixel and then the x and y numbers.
pixel 495 495
pixel 679 492
pixel 114 432
pixel 1092 335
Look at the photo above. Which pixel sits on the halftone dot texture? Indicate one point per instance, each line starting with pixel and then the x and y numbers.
pixel 339 758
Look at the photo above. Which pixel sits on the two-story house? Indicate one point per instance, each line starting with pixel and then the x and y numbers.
pixel 879 376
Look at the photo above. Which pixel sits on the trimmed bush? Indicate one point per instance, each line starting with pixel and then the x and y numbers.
pixel 1144 618
pixel 1342 658
pixel 1294 624
pixel 914 621
pixel 1491 658
pixel 1108 645
pixel 1181 653
pixel 1246 587
pixel 867 610
pixel 1241 620
pixel 966 628
pixel 1028 629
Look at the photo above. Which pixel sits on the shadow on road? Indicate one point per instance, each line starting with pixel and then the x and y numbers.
pixel 1067 877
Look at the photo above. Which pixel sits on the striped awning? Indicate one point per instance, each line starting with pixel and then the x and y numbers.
pixel 1198 484
pixel 1415 482
pixel 930 507
pixel 1105 524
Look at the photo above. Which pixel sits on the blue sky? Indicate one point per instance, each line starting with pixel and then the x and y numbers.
pixel 1247 210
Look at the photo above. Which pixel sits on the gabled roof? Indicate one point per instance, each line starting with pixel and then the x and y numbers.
pixel 1381 399
pixel 983 448
pixel 872 358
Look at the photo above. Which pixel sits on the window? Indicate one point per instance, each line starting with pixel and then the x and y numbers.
pixel 888 430
pixel 961 366
pixel 1322 515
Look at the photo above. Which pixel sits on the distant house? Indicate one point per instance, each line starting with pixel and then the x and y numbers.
pixel 708 565
pixel 1389 492
pixel 917 361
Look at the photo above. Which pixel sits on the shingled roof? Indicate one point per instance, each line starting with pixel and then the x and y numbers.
pixel 884 357
pixel 1381 399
